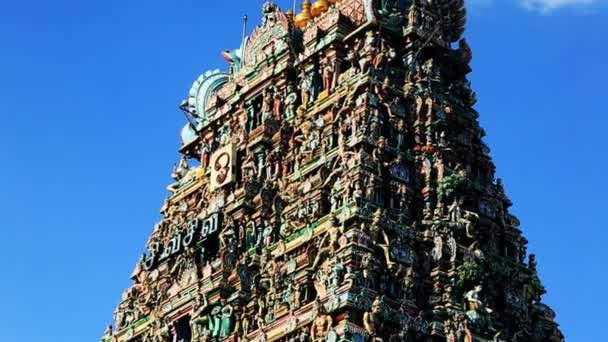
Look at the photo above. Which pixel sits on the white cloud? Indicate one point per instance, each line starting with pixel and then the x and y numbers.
pixel 550 5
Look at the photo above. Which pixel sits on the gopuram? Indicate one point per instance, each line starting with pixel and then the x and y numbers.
pixel 334 186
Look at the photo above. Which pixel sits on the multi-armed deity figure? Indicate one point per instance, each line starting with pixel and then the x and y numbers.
pixel 333 185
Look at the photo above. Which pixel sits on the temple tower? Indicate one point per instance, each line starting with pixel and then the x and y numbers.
pixel 334 186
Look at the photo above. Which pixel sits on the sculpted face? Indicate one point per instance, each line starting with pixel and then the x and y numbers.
pixel 376 307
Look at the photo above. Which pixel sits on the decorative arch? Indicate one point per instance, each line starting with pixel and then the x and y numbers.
pixel 203 88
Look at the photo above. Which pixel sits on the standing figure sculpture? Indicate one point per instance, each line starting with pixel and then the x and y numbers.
pixel 328 74
pixel 372 322
pixel 290 102
pixel 198 321
pixel 321 325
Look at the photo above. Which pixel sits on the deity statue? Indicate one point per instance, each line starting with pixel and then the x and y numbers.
pixel 477 312
pixel 225 134
pixel 461 216
pixel 198 321
pixel 532 262
pixel 249 168
pixel 352 58
pixel 268 233
pixel 277 105
pixel 400 135
pixel 321 325
pixel 452 247
pixel 383 53
pixel 328 69
pixel 369 50
pixel 438 249
pixel 469 221
pixel 372 321
pixel 330 242
pixel 267 106
pixel 307 88
pixel 368 271
pixel 455 211
pixel 252 117
pixel 378 234
pixel 290 102
pixel 227 236
pixel 204 152
pixel 226 321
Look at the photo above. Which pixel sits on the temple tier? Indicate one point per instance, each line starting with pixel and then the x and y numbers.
pixel 334 186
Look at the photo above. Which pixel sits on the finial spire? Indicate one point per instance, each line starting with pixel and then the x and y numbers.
pixel 244 27
pixel 304 17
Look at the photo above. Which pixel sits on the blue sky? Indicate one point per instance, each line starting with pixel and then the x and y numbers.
pixel 89 131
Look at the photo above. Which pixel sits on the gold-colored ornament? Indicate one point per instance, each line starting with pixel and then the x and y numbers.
pixel 319 7
pixel 305 16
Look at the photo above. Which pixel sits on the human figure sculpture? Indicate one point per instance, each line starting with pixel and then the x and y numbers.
pixel 227 236
pixel 321 325
pixel 372 321
pixel 532 262
pixel 352 58
pixel 108 332
pixel 452 247
pixel 379 155
pixel 268 233
pixel 306 88
pixel 369 50
pixel 252 117
pixel 378 234
pixel 401 131
pixel 367 266
pixel 381 57
pixel 267 105
pixel 477 311
pixel 290 102
pixel 226 321
pixel 204 151
pixel 455 211
pixel 270 164
pixel 327 74
pixel 249 168
pixel 330 242
pixel 438 249
pixel 464 217
pixel 468 221
pixel 277 105
pixel 199 321
pixel 409 281
pixel 241 116
pixel 225 134
pixel 215 320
